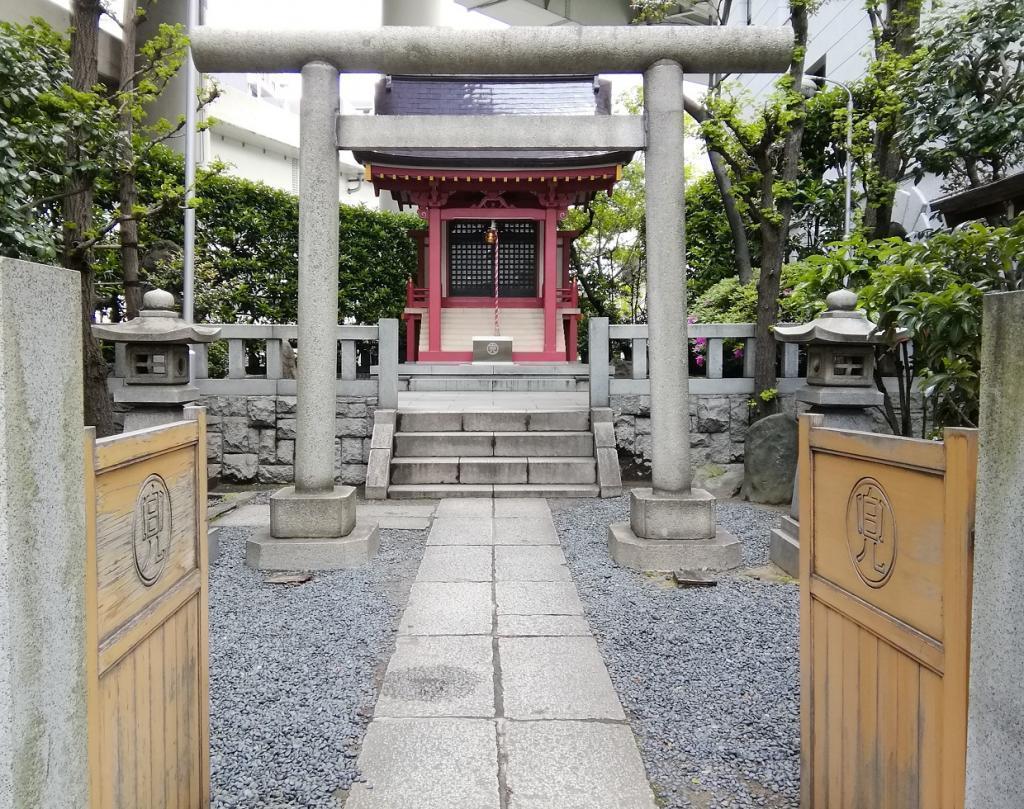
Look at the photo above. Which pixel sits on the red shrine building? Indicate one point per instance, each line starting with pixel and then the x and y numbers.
pixel 492 260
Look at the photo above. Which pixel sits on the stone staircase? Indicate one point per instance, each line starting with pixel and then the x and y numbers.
pixel 523 453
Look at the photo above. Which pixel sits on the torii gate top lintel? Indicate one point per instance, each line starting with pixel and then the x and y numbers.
pixel 509 51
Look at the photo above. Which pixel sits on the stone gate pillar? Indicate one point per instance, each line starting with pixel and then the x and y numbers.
pixel 995 726
pixel 313 523
pixel 671 524
pixel 43 723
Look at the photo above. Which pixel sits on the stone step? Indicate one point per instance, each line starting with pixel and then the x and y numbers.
pixel 435 491
pixel 537 384
pixel 493 470
pixel 501 444
pixel 416 421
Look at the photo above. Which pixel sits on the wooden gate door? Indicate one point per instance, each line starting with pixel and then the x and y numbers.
pixel 147 568
pixel 885 576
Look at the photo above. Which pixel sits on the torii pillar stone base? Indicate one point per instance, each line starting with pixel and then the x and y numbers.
pixel 669 532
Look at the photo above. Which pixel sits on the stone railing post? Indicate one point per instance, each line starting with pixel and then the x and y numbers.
pixel 44 728
pixel 639 358
pixel 387 363
pixel 597 343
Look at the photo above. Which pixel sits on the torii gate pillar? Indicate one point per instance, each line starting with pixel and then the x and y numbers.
pixel 671 525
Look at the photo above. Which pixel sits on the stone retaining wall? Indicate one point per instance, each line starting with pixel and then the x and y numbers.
pixel 251 439
pixel 718 428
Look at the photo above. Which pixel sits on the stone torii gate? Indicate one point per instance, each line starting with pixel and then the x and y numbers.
pixel 672 525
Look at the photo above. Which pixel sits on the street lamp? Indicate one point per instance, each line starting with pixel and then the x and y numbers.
pixel 809 86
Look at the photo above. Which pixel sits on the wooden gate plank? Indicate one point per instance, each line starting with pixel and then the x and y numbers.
pixel 147 576
pixel 867 788
pixel 885 573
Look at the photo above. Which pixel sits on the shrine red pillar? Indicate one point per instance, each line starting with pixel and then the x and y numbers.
pixel 434 289
pixel 550 280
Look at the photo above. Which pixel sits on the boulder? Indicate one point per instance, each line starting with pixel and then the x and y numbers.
pixel 769 460
pixel 722 480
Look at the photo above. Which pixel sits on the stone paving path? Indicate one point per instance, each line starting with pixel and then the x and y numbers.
pixel 496 696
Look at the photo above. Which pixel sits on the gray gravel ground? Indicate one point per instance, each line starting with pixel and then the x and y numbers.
pixel 708 676
pixel 293 672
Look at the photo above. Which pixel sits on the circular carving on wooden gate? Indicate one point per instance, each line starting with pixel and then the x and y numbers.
pixel 152 529
pixel 871 532
pixel 492 348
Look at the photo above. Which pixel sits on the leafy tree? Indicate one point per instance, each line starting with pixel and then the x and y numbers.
pixel 608 257
pixel 932 288
pixel 965 117
pixel 763 153
pixel 66 144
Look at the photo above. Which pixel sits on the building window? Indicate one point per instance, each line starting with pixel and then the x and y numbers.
pixel 471 259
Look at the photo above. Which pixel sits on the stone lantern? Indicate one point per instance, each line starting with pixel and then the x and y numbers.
pixel 156 364
pixel 840 386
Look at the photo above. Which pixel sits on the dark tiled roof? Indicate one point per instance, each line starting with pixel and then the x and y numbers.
pixel 493 95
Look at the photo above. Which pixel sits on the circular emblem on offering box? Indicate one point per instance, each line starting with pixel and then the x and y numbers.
pixel 492 348
pixel 871 532
pixel 152 530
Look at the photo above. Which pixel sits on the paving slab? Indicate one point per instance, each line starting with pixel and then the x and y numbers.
pixel 245 516
pixel 525 531
pixel 475 507
pixel 537 598
pixel 574 765
pixel 428 764
pixel 556 678
pixel 439 676
pixel 530 563
pixel 521 507
pixel 456 563
pixel 445 608
pixel 461 531
pixel 403 516
pixel 542 625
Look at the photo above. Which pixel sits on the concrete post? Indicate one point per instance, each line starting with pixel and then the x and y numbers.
pixel 995 727
pixel 313 523
pixel 318 280
pixel 671 526
pixel 411 12
pixel 43 723
pixel 387 364
pixel 666 279
pixel 597 342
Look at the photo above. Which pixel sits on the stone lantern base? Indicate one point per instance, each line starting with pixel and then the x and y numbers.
pixel 313 532
pixel 671 532
pixel 843 408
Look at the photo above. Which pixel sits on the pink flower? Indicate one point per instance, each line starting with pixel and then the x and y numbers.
pixel 738 352
pixel 699 359
pixel 700 342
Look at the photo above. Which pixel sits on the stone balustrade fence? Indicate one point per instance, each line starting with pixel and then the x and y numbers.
pixel 252 406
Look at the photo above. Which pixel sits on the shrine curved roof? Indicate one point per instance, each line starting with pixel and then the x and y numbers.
pixel 493 95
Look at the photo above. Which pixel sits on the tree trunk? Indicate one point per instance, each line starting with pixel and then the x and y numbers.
pixel 902 21
pixel 775 234
pixel 768 285
pixel 129 229
pixel 737 227
pixel 85 20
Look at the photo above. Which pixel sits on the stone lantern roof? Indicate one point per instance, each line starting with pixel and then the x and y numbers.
pixel 158 322
pixel 842 323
